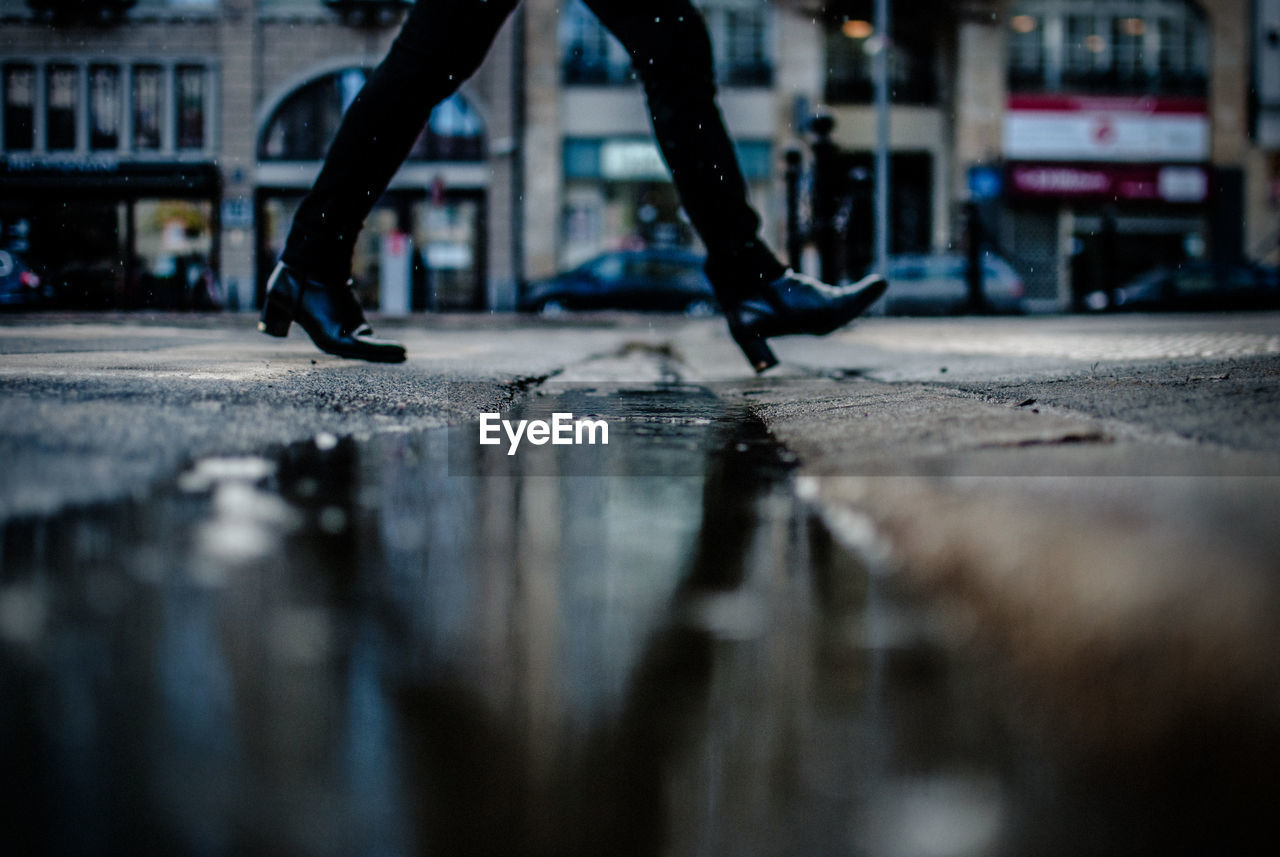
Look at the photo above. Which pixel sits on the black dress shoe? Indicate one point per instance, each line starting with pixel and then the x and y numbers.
pixel 795 303
pixel 330 314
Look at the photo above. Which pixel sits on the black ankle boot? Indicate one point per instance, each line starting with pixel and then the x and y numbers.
pixel 329 314
pixel 792 304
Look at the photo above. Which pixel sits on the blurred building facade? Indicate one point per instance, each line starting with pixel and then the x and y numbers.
pixel 147 145
pixel 1097 137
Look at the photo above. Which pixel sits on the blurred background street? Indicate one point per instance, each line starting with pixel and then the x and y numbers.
pixel 1090 154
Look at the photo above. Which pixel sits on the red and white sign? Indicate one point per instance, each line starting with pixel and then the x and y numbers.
pixel 1106 128
pixel 1113 182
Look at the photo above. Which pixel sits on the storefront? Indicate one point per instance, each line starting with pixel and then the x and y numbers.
pixel 619 195
pixel 1099 189
pixel 425 235
pixel 108 187
pixel 105 233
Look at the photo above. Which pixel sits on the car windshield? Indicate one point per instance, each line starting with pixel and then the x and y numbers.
pixel 606 268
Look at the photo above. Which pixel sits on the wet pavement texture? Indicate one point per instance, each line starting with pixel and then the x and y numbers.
pixel 410 645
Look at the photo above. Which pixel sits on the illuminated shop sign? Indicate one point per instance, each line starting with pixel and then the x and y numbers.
pixel 1106 128
pixel 632 160
pixel 1110 182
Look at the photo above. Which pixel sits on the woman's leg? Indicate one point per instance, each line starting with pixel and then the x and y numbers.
pixel 671 51
pixel 441 44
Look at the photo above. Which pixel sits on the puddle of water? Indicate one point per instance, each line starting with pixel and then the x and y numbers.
pixel 351 649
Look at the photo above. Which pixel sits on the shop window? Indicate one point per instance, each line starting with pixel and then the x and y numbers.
pixel 19 108
pixel 104 108
pixel 851 43
pixel 911 178
pixel 173 247
pixel 449 273
pixel 60 117
pixel 1108 46
pixel 147 100
pixel 304 124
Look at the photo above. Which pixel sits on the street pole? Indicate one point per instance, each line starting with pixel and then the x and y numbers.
pixel 880 72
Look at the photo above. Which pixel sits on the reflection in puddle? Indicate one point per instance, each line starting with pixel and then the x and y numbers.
pixel 348 650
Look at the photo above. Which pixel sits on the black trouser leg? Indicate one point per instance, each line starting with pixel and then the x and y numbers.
pixel 441 44
pixel 671 51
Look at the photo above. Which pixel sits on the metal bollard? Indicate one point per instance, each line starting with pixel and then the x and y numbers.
pixel 828 190
pixel 795 237
pixel 975 237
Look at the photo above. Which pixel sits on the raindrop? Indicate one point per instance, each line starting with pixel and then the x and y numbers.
pixel 333 520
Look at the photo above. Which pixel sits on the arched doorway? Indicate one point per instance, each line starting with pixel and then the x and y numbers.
pixel 430 224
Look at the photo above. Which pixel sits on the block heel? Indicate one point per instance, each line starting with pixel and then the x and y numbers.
pixel 277 315
pixel 756 350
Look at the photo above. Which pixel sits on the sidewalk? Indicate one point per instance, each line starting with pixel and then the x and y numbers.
pixel 1086 506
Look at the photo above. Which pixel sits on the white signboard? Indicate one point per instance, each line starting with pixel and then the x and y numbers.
pixel 632 160
pixel 1069 128
pixel 395 284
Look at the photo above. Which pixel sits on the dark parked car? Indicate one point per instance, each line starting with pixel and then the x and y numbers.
pixel 658 280
pixel 935 284
pixel 1193 286
pixel 19 285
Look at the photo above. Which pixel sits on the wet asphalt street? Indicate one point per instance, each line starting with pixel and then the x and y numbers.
pixel 948 587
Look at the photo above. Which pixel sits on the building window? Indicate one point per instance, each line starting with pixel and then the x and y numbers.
pixel 1108 46
pixel 851 45
pixel 19 108
pixel 1026 49
pixel 454 132
pixel 146 108
pixel 63 85
pixel 104 108
pixel 302 127
pixel 1128 55
pixel 739 36
pixel 107 107
pixel 590 55
pixel 190 107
